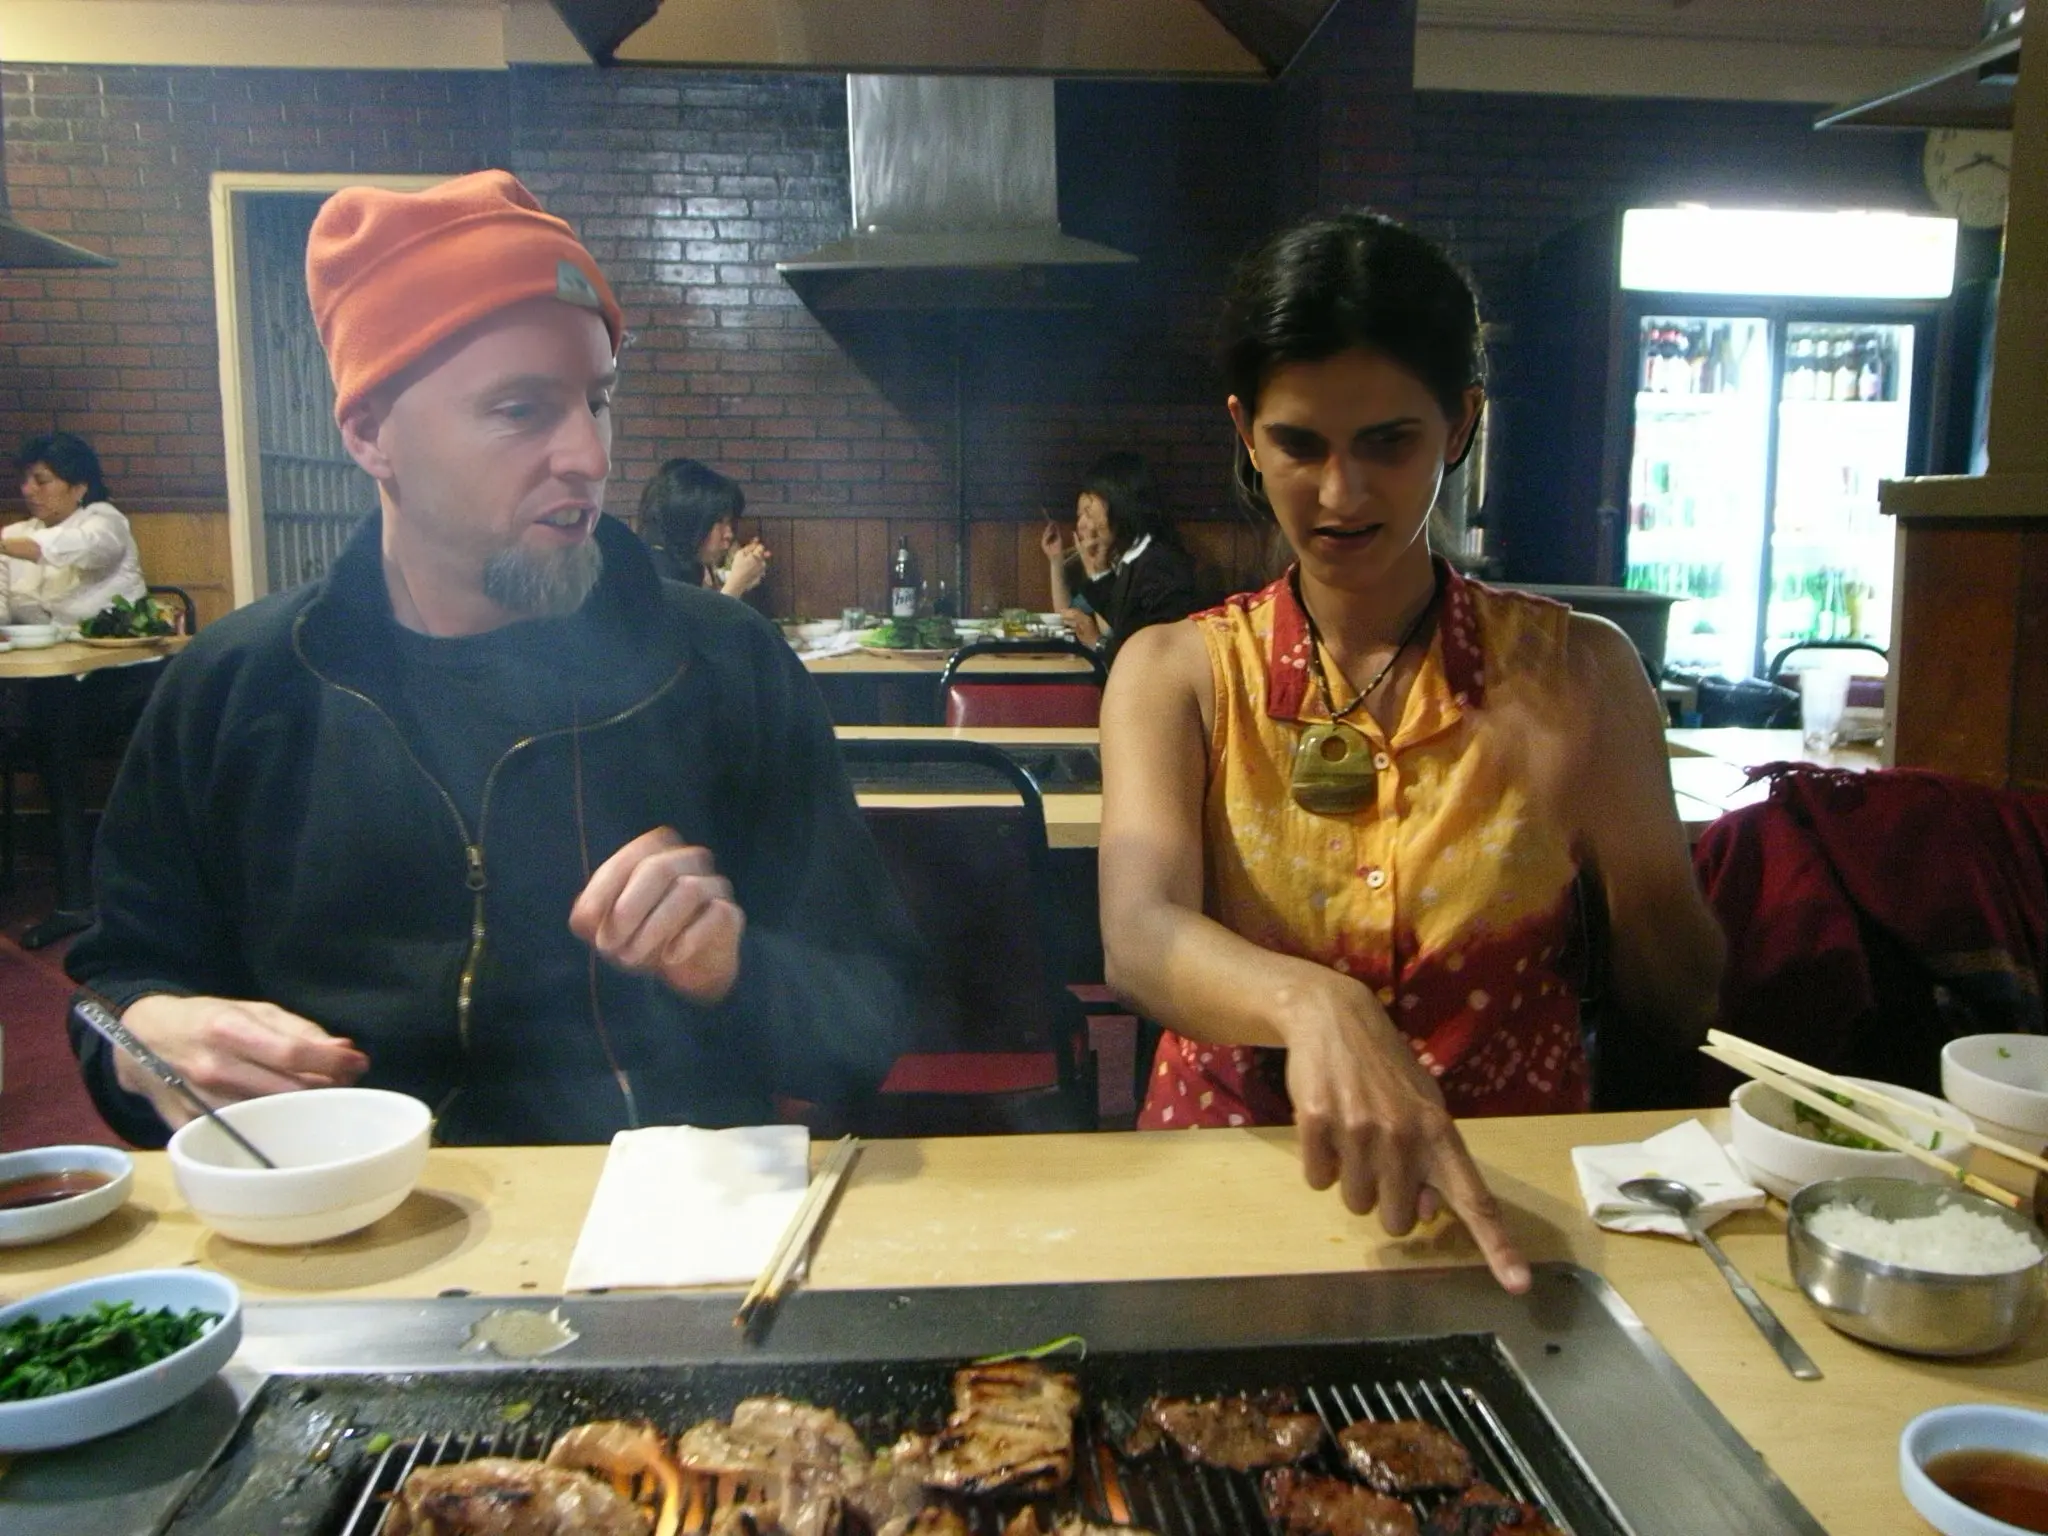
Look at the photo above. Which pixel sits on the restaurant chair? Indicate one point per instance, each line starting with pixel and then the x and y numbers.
pixel 991 696
pixel 999 1044
pixel 1865 691
pixel 187 611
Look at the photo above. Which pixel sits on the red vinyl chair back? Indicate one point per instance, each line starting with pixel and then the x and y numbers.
pixel 1023 703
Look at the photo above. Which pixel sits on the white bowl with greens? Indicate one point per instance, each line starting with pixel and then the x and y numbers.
pixel 1781 1145
pixel 87 1359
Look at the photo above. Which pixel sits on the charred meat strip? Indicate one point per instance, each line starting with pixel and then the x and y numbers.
pixel 1264 1429
pixel 500 1496
pixel 766 1434
pixel 805 1469
pixel 1026 1523
pixel 1405 1455
pixel 932 1520
pixel 1303 1504
pixel 1011 1431
pixel 1483 1510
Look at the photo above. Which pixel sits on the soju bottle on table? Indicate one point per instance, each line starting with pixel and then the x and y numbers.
pixel 903 583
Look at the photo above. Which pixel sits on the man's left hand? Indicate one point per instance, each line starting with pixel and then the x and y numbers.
pixel 659 907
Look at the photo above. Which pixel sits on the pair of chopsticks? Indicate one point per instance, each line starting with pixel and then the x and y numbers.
pixel 797 1240
pixel 1796 1080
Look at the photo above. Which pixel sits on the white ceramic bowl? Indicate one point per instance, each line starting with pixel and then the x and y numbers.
pixel 1965 1427
pixel 41 1223
pixel 817 629
pixel 2001 1082
pixel 42 1423
pixel 1781 1160
pixel 30 637
pixel 345 1156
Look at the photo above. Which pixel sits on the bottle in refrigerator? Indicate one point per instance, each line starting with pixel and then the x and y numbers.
pixel 903 582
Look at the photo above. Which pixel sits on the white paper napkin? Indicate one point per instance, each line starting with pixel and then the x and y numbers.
pixel 1688 1153
pixel 680 1206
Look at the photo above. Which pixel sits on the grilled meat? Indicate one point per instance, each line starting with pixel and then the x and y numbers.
pixel 1303 1504
pixel 1011 1431
pixel 1262 1429
pixel 1405 1455
pixel 932 1520
pixel 1483 1510
pixel 500 1496
pixel 767 1433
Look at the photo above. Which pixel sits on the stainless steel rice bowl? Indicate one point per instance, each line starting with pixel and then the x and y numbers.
pixel 1917 1311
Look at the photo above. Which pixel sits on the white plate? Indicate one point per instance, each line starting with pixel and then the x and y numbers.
pixel 43 1423
pixel 41 1223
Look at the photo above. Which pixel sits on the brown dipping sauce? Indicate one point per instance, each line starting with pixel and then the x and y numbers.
pixel 2006 1485
pixel 49 1188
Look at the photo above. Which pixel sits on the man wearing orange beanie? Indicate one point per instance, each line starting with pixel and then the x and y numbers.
pixel 490 813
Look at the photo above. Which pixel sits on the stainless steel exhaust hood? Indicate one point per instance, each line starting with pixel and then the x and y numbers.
pixel 955 202
pixel 21 246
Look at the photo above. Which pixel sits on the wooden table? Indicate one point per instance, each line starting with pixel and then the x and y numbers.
pixel 1002 1210
pixel 1708 773
pixel 51 672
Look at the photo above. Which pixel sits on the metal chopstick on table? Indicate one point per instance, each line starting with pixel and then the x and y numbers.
pixel 103 1020
pixel 797 1240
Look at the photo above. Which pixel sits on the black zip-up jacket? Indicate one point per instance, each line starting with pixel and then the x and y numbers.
pixel 275 833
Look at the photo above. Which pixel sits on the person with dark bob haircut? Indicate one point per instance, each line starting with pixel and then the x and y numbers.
pixel 687 514
pixel 76 553
pixel 1137 572
pixel 1347 820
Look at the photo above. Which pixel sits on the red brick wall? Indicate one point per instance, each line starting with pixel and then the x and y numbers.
pixel 118 160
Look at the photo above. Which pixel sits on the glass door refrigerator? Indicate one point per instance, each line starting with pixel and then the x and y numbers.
pixel 1762 372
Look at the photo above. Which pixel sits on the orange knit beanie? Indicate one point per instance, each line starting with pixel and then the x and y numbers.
pixel 393 274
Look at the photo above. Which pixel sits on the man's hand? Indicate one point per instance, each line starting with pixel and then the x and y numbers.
pixel 22 549
pixel 660 908
pixel 230 1050
pixel 1373 1121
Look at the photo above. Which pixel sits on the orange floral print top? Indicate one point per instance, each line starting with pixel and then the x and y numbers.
pixel 1449 897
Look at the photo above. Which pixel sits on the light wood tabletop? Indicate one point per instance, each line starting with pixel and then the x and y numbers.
pixel 74 658
pixel 1001 1210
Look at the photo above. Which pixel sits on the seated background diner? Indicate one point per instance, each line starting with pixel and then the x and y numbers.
pixel 688 513
pixel 75 554
pixel 1135 569
pixel 1345 817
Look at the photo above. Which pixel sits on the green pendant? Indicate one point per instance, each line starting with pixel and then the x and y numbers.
pixel 1333 770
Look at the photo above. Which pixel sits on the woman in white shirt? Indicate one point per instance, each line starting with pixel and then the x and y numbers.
pixel 76 554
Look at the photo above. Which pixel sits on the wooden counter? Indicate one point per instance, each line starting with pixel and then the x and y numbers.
pixel 1114 1207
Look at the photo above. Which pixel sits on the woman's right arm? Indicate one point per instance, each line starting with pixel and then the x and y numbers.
pixel 1370 1118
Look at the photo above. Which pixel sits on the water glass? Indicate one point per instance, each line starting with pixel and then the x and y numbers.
pixel 1823 696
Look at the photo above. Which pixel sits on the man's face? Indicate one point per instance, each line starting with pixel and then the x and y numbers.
pixel 495 456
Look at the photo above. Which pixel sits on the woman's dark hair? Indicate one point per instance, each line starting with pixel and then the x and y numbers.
pixel 70 458
pixel 1346 280
pixel 1125 483
pixel 682 504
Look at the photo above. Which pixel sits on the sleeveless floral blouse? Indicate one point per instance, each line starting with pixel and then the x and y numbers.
pixel 1448 897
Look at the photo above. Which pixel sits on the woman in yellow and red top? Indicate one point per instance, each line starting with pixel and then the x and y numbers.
pixel 1344 816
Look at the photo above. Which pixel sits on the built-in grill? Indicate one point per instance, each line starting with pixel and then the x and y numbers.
pixel 1560 1396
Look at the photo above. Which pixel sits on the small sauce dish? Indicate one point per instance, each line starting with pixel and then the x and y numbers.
pixel 100 1178
pixel 1966 1427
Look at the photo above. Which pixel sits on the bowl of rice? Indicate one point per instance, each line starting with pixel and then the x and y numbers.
pixel 1928 1269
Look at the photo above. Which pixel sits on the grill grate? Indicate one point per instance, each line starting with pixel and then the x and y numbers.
pixel 1462 1384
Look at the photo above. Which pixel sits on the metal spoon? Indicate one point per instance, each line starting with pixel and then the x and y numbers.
pixel 1683 1201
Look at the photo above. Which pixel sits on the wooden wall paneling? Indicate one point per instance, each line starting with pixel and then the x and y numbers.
pixel 777 591
pixel 1962 581
pixel 2029 743
pixel 992 569
pixel 189 549
pixel 827 575
pixel 1034 583
pixel 873 550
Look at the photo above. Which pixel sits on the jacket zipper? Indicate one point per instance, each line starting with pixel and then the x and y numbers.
pixel 474 877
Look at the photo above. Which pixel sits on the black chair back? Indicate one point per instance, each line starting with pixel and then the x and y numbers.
pixel 978 882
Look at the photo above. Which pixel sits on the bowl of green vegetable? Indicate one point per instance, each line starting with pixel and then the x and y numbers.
pixel 94 1357
pixel 1782 1145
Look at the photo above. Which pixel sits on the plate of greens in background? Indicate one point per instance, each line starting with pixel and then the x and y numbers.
pixel 87 1359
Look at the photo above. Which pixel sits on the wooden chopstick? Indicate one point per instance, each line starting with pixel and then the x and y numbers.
pixel 1792 1067
pixel 1883 1135
pixel 774 1280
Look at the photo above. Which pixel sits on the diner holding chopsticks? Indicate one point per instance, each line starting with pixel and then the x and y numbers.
pixel 490 814
pixel 75 554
